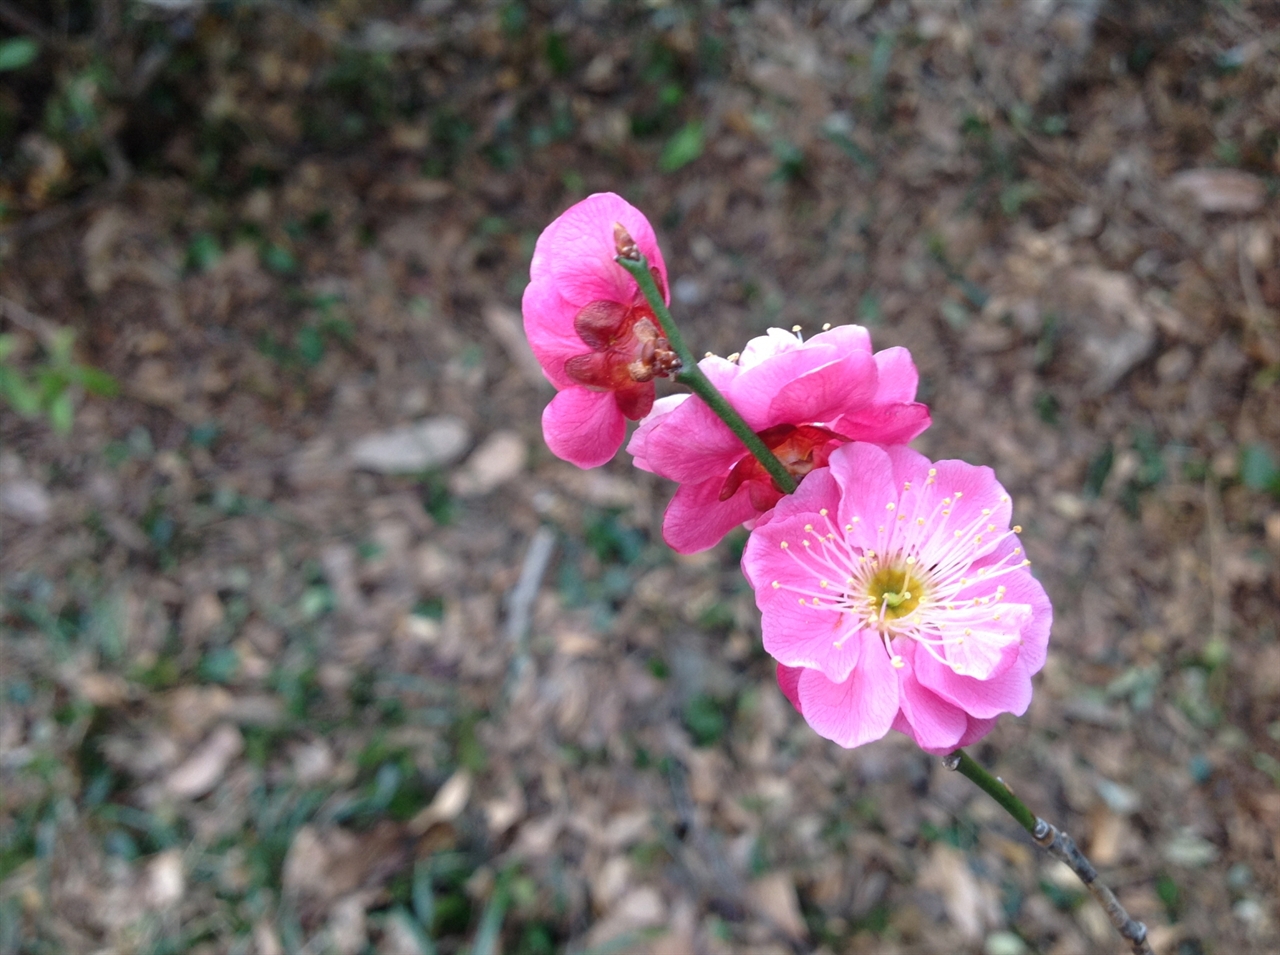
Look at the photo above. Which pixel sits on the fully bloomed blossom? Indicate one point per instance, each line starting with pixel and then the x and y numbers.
pixel 804 399
pixel 591 329
pixel 895 595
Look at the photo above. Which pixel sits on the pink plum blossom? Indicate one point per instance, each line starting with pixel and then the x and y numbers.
pixel 894 595
pixel 804 399
pixel 591 329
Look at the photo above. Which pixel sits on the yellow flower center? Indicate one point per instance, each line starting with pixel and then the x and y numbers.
pixel 896 590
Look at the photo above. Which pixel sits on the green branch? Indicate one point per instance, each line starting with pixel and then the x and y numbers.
pixel 966 766
pixel 1058 844
pixel 692 377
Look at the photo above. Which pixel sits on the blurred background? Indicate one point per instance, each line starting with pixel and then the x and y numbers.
pixel 307 644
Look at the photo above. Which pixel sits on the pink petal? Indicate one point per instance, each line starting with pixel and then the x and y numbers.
pixel 1010 692
pixel 691 444
pixel 934 724
pixel 857 711
pixel 720 371
pixel 806 636
pixel 696 518
pixel 817 491
pixel 826 392
pixel 865 475
pixel 583 427
pixel 898 377
pixel 789 684
pixel 638 446
pixel 1022 588
pixel 576 252
pixel 753 392
pixel 773 342
pixel 977 729
pixel 892 423
pixel 971 491
pixel 548 324
pixel 845 338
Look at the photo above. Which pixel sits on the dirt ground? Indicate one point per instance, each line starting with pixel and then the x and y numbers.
pixel 307 643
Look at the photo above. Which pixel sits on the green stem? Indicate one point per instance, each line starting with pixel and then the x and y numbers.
pixel 692 377
pixel 964 764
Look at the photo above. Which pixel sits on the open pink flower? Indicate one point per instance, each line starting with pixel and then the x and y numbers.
pixel 895 595
pixel 591 329
pixel 804 399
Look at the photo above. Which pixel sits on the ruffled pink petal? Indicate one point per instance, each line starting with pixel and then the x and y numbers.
pixel 856 711
pixel 753 392
pixel 638 446
pixel 773 342
pixel 696 518
pixel 893 423
pixel 691 444
pixel 846 338
pixel 977 729
pixel 865 476
pixel 932 722
pixel 971 491
pixel 807 636
pixel 548 324
pixel 826 392
pixel 576 252
pixel 583 427
pixel 720 371
pixel 1010 692
pixel 789 684
pixel 1022 588
pixel 898 377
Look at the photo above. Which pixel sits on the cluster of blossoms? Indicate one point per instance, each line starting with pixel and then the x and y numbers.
pixel 893 591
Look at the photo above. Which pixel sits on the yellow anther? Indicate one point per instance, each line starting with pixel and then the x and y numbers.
pixel 735 356
pixel 890 506
pixel 776 585
pixel 897 662
pixel 784 545
pixel 822 583
pixel 796 329
pixel 1017 528
pixel 808 528
pixel 823 512
pixel 920 521
pixel 826 326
